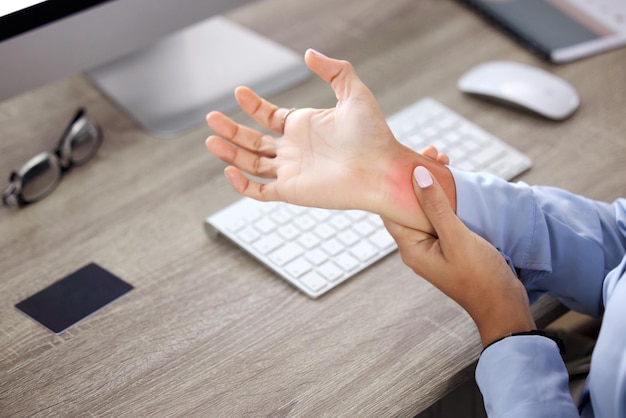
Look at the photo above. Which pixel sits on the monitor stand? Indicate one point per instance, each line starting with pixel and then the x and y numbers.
pixel 170 86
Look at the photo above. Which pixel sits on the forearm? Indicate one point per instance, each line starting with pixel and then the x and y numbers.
pixel 607 377
pixel 561 243
pixel 500 311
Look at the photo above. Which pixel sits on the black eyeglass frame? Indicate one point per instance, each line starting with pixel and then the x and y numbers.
pixel 60 160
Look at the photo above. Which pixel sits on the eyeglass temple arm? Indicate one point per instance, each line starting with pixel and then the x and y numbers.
pixel 80 113
pixel 11 196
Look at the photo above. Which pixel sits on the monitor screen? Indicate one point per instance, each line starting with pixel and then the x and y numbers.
pixel 19 16
pixel 118 43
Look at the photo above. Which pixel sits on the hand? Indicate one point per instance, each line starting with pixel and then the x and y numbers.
pixel 340 158
pixel 463 265
pixel 431 152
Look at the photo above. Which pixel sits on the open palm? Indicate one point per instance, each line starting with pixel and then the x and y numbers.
pixel 340 158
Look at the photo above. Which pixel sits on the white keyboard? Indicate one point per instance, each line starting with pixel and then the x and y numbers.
pixel 317 249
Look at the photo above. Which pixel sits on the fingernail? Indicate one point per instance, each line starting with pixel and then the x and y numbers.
pixel 318 53
pixel 423 177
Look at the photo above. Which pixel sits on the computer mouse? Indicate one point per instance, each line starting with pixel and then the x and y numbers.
pixel 522 85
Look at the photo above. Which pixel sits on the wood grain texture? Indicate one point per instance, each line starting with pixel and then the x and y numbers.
pixel 207 330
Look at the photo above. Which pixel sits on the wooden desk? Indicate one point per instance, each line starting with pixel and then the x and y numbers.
pixel 210 332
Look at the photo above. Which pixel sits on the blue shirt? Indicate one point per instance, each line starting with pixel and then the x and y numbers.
pixel 573 248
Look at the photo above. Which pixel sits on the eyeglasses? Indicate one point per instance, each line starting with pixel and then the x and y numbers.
pixel 42 173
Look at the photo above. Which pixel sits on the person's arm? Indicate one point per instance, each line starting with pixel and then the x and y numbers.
pixel 340 158
pixel 607 376
pixel 462 265
pixel 519 376
pixel 515 370
pixel 562 243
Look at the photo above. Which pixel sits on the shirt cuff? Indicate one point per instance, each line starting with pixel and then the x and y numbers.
pixel 522 376
pixel 505 214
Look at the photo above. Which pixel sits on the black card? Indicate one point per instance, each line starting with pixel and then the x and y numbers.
pixel 73 298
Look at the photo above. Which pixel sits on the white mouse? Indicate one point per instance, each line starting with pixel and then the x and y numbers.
pixel 519 84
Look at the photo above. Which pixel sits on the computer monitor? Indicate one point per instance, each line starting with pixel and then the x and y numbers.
pixel 165 62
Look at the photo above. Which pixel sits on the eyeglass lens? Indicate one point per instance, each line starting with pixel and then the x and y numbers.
pixel 42 173
pixel 40 180
pixel 84 144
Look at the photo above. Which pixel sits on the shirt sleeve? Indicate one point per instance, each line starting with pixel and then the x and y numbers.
pixel 561 243
pixel 607 375
pixel 573 248
pixel 524 376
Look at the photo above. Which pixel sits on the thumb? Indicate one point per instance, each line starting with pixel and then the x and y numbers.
pixel 436 206
pixel 339 74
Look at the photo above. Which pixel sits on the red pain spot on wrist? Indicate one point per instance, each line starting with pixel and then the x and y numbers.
pixel 399 183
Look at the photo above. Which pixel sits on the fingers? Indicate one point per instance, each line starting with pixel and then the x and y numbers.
pixel 263 112
pixel 404 236
pixel 245 160
pixel 431 152
pixel 241 135
pixel 339 74
pixel 436 206
pixel 242 185
pixel 443 159
pixel 251 151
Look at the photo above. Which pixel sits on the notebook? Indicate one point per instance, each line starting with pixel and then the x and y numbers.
pixel 559 30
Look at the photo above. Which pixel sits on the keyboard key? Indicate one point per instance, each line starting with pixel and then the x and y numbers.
pixel 330 271
pixel 298 267
pixel 320 215
pixel 314 281
pixel 237 224
pixel 316 256
pixel 332 247
pixel 289 232
pixel 309 240
pixel 296 210
pixel 376 221
pixel 305 222
pixel 248 235
pixel 487 155
pixel 265 225
pixel 324 231
pixel 270 207
pixel 281 216
pixel 366 251
pixel 348 238
pixel 347 262
pixel 382 240
pixel 253 216
pixel 356 215
pixel 364 228
pixel 340 222
pixel 286 253
pixel 268 243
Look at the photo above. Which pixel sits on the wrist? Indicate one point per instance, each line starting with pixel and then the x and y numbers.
pixel 504 312
pixel 560 344
pixel 394 197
